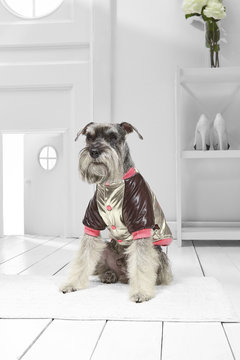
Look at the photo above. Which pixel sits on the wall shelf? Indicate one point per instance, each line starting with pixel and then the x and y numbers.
pixel 211 154
pixel 209 91
pixel 211 233
pixel 209 75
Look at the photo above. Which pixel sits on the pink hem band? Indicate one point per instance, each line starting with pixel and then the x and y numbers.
pixel 163 242
pixel 91 232
pixel 144 233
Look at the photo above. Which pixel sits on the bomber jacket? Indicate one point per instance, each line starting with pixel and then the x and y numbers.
pixel 130 211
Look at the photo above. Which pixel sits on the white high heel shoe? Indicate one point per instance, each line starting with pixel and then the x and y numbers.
pixel 220 136
pixel 202 134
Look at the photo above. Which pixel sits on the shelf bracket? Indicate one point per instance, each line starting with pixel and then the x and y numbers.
pixel 224 109
pixel 199 103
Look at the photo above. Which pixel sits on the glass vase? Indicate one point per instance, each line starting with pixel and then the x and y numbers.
pixel 212 37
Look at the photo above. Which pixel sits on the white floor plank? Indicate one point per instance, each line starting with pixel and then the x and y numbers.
pixel 216 263
pixel 129 341
pixel 51 264
pixel 66 339
pixel 232 250
pixel 24 261
pixel 196 341
pixel 17 335
pixel 183 260
pixel 11 246
pixel 64 270
pixel 233 334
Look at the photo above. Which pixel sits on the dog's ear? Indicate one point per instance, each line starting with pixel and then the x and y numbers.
pixel 83 131
pixel 129 128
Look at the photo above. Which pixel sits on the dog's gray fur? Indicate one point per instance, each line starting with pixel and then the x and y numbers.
pixel 105 158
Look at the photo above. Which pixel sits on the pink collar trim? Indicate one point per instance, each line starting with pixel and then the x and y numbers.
pixel 129 174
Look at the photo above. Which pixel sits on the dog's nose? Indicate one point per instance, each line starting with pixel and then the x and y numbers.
pixel 95 153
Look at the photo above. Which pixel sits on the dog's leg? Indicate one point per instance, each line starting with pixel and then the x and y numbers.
pixel 164 273
pixel 143 264
pixel 84 264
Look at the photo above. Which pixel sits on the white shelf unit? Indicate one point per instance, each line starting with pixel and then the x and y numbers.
pixel 223 85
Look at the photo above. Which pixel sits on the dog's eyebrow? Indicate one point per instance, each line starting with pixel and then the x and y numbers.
pixel 110 131
pixel 90 132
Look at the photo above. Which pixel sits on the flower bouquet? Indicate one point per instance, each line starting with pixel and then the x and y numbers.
pixel 211 12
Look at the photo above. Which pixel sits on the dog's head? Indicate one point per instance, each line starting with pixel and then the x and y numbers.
pixel 104 157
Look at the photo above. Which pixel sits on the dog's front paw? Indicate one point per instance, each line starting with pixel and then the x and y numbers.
pixel 140 297
pixel 109 277
pixel 67 288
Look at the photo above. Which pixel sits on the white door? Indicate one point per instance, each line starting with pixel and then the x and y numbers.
pixel 55 77
pixel 43 184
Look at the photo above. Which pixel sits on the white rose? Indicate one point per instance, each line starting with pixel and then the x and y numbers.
pixel 215 9
pixel 193 6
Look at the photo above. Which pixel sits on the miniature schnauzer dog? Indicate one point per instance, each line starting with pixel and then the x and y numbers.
pixel 124 203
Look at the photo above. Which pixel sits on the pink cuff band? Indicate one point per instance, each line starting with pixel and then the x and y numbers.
pixel 144 233
pixel 91 232
pixel 163 242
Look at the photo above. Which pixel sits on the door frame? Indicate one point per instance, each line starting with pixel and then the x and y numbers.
pixel 1 187
pixel 68 206
pixel 102 54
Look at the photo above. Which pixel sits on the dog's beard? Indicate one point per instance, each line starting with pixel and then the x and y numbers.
pixel 106 168
pixel 96 173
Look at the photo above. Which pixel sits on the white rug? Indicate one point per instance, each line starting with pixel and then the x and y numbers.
pixel 190 299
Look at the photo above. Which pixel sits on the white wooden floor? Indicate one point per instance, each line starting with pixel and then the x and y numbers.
pixel 113 340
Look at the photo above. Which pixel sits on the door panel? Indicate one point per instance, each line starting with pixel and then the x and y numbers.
pixel 69 24
pixel 43 189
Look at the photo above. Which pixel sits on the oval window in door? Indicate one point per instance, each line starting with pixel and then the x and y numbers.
pixel 32 9
pixel 48 157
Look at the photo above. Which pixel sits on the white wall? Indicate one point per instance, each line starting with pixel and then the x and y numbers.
pixel 152 38
pixel 57 61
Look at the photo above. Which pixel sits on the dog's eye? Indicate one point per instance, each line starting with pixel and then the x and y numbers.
pixel 112 136
pixel 90 137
